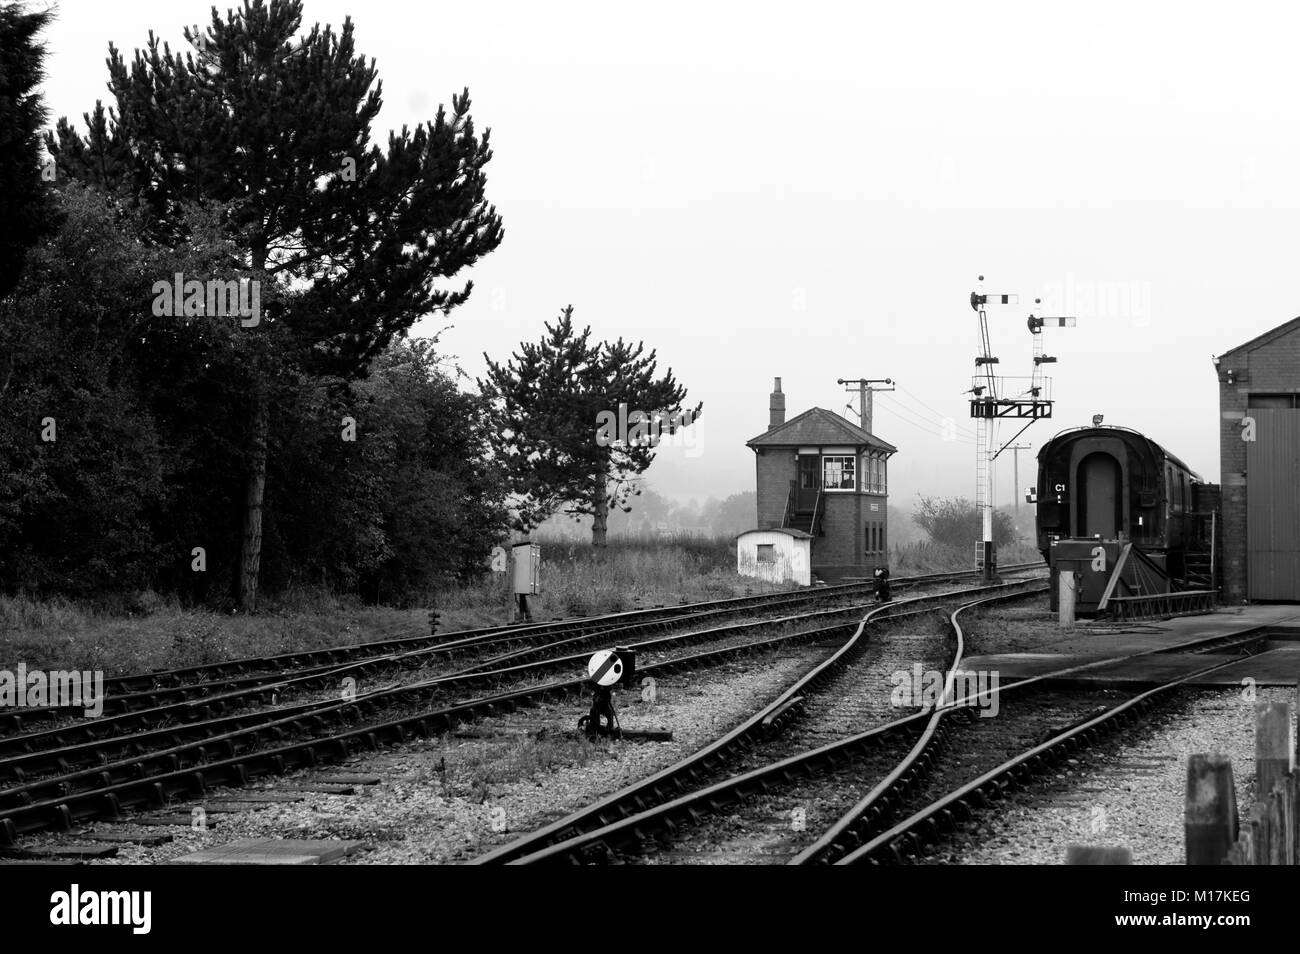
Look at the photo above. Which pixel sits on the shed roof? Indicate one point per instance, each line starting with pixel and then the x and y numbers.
pixel 820 427
pixel 1269 336
pixel 788 531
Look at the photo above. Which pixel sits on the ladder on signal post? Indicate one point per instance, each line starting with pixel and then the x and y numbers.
pixel 1036 325
pixel 984 402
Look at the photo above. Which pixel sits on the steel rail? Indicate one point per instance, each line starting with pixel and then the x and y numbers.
pixel 861 822
pixel 28 760
pixel 930 821
pixel 153 690
pixel 632 829
pixel 187 770
pixel 159 678
pixel 662 785
pixel 80 744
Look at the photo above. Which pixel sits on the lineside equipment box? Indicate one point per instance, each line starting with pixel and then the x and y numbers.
pixel 1094 562
pixel 528 568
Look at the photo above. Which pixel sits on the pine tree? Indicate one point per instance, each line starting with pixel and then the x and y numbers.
pixel 574 421
pixel 346 239
pixel 25 210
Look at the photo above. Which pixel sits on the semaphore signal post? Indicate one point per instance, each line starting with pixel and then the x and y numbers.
pixel 993 397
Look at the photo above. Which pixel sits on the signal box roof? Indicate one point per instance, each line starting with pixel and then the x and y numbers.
pixel 818 427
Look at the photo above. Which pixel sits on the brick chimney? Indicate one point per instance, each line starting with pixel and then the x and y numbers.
pixel 777 406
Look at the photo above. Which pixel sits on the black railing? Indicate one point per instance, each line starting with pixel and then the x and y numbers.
pixel 789 506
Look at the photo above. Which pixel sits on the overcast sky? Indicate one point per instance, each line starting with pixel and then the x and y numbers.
pixel 811 191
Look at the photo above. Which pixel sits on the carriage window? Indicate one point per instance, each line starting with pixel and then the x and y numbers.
pixel 838 473
pixel 767 553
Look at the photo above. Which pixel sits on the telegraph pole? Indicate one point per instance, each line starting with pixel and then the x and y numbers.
pixel 864 388
pixel 1015 470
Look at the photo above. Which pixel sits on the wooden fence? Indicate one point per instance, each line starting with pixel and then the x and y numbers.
pixel 1269 834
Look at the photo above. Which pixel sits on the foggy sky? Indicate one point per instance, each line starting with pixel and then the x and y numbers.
pixel 810 192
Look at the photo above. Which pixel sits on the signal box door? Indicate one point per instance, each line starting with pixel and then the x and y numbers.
pixel 810 481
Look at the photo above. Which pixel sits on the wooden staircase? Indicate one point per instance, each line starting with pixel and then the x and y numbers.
pixel 806 521
pixel 809 521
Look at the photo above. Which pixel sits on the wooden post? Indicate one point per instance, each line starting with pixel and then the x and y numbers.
pixel 1295 739
pixel 1274 750
pixel 1097 855
pixel 1210 812
pixel 1278 833
pixel 1242 853
pixel 1292 809
pixel 1066 598
pixel 1256 832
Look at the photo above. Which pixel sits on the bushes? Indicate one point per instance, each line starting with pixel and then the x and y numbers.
pixel 926 557
pixel 957 523
pixel 143 457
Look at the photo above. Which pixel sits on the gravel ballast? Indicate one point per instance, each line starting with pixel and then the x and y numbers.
pixel 1126 793
pixel 448 799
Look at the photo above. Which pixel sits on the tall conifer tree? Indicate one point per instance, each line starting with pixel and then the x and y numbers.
pixel 25 210
pixel 574 421
pixel 348 239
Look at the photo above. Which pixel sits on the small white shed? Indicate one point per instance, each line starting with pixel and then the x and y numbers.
pixel 779 555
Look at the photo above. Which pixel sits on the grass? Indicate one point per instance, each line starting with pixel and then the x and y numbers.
pixel 1020 627
pixel 144 631
pixel 926 557
pixel 631 573
pixel 59 634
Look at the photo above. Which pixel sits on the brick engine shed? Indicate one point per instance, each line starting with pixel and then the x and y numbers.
pixel 1259 452
pixel 821 474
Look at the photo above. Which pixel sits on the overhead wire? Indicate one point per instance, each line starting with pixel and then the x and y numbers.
pixel 920 420
pixel 923 425
pixel 941 416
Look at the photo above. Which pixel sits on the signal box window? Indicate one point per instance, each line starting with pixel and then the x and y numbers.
pixel 875 475
pixel 838 473
pixel 767 553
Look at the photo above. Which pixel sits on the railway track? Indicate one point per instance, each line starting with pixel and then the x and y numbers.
pixel 84 781
pixel 596 829
pixel 23 756
pixel 20 755
pixel 892 761
pixel 255 680
pixel 943 808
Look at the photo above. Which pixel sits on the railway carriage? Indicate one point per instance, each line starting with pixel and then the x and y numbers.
pixel 1113 485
